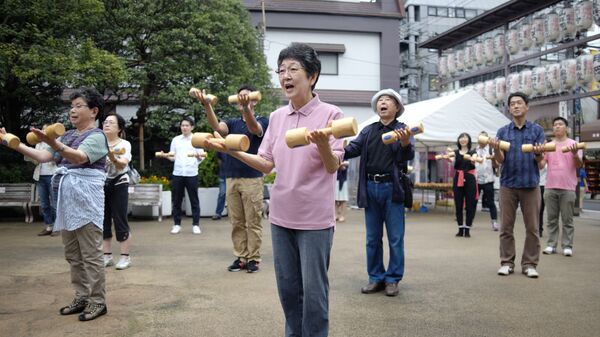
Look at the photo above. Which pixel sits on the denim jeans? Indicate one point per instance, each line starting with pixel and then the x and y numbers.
pixel 301 259
pixel 221 199
pixel 178 186
pixel 44 188
pixel 380 208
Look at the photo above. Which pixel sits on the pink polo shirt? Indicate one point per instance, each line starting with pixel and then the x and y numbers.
pixel 302 195
pixel 562 172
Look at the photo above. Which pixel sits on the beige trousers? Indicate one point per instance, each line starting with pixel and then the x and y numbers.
pixel 83 251
pixel 529 199
pixel 244 207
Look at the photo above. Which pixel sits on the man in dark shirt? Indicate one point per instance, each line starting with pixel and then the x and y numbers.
pixel 381 192
pixel 519 185
pixel 244 184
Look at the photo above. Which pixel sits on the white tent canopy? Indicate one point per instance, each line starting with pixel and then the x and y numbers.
pixel 444 118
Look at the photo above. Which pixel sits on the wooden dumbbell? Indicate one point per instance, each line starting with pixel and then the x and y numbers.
pixel 231 142
pixel 193 154
pixel 548 147
pixel 53 131
pixel 118 151
pixel 473 158
pixel 391 137
pixel 162 154
pixel 505 146
pixel 254 96
pixel 10 140
pixel 340 128
pixel 212 99
pixel 580 146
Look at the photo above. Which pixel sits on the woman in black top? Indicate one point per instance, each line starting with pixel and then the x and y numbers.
pixel 464 184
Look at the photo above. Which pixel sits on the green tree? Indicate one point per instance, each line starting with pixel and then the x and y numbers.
pixel 170 46
pixel 45 46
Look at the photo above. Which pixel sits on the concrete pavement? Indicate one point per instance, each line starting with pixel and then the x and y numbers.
pixel 179 286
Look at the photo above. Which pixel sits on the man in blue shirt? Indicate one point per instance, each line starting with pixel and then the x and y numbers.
pixel 244 184
pixel 519 185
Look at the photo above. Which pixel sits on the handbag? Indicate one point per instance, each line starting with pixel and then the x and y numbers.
pixel 134 176
pixel 407 186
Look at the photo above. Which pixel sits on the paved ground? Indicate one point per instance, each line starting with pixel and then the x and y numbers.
pixel 179 285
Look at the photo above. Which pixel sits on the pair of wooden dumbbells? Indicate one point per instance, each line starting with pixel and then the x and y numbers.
pixel 527 148
pixel 53 131
pixel 231 142
pixel 233 99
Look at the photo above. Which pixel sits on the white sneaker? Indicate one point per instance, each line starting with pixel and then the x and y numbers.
pixel 568 252
pixel 505 270
pixel 196 230
pixel 124 262
pixel 531 272
pixel 108 260
pixel 494 226
pixel 549 250
pixel 176 229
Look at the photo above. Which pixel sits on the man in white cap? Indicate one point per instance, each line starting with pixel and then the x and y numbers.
pixel 381 190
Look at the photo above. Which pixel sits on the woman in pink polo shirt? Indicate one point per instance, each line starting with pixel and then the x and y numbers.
pixel 302 210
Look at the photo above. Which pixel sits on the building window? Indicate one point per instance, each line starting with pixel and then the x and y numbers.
pixel 460 12
pixel 442 11
pixel 451 12
pixel 470 13
pixel 431 11
pixel 329 63
pixel 417 13
pixel 433 83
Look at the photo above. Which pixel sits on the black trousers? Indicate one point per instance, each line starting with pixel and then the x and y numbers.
pixel 465 195
pixel 116 197
pixel 178 187
pixel 542 206
pixel 486 193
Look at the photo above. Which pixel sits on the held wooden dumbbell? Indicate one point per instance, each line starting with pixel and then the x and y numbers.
pixel 548 147
pixel 580 146
pixel 118 151
pixel 212 99
pixel 231 142
pixel 340 128
pixel 254 96
pixel 10 140
pixel 391 137
pixel 162 154
pixel 193 154
pixel 505 146
pixel 53 131
pixel 473 158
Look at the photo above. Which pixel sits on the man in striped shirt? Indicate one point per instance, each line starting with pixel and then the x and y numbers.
pixel 519 185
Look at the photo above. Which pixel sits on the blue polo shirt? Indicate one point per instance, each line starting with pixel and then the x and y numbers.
pixel 234 168
pixel 520 170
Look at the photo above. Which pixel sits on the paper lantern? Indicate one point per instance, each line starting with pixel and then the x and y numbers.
pixel 525 81
pixel 552 27
pixel 451 64
pixel 513 83
pixel 585 69
pixel 567 23
pixel 584 16
pixel 490 91
pixel 460 60
pixel 479 54
pixel 488 49
pixel 596 12
pixel 538 78
pixel 538 31
pixel 512 40
pixel 500 84
pixel 525 40
pixel 597 67
pixel 468 51
pixel 553 78
pixel 568 74
pixel 443 67
pixel 480 88
pixel 500 46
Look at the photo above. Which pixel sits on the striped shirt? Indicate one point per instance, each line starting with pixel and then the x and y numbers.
pixel 520 170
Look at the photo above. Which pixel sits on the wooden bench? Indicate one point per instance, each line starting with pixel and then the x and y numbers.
pixel 18 195
pixel 146 195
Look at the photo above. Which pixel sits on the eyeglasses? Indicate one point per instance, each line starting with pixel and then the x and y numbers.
pixel 293 70
pixel 77 107
pixel 108 122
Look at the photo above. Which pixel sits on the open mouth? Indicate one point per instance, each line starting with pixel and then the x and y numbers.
pixel 288 86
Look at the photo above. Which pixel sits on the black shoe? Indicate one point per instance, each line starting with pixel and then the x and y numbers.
pixel 77 306
pixel 461 232
pixel 216 217
pixel 467 234
pixel 237 265
pixel 252 266
pixel 93 311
